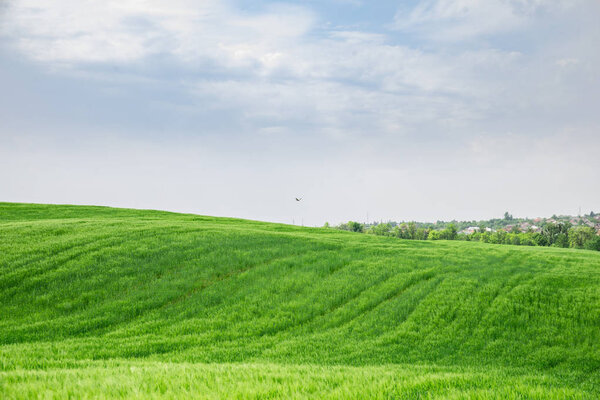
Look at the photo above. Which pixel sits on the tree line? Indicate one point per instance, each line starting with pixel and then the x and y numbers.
pixel 561 234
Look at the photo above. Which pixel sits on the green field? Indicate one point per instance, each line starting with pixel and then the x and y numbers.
pixel 115 303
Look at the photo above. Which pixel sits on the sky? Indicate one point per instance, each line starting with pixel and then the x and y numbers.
pixel 369 111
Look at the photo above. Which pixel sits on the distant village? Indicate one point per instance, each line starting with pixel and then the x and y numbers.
pixel 507 224
pixel 581 232
pixel 512 225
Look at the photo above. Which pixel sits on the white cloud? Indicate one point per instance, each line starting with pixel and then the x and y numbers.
pixel 271 69
pixel 344 82
pixel 272 66
pixel 457 20
pixel 567 62
pixel 70 31
pixel 356 37
pixel 271 43
pixel 392 109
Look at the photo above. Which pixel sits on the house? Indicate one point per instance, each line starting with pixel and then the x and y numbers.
pixel 470 230
pixel 507 228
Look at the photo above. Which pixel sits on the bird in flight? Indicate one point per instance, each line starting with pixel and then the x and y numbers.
pixel 298 199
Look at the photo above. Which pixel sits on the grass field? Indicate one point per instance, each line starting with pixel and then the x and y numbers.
pixel 102 302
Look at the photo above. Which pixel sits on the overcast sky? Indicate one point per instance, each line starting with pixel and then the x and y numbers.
pixel 406 110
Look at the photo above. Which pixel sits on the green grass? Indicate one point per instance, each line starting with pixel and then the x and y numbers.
pixel 103 302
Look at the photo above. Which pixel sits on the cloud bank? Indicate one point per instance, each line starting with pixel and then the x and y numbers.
pixel 442 87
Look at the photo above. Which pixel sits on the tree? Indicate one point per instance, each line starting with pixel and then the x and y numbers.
pixel 382 229
pixel 515 239
pixel 507 216
pixel 527 239
pixel 434 235
pixel 352 227
pixel 580 235
pixel 412 230
pixel 486 237
pixel 355 226
pixel 452 231
pixel 552 232
pixel 449 233
pixel 539 239
pixel 498 237
pixel 562 240
pixel 593 243
pixel 403 231
pixel 422 233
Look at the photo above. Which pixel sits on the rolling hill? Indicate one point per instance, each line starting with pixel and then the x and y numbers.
pixel 119 303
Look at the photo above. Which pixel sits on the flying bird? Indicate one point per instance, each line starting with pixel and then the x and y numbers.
pixel 298 199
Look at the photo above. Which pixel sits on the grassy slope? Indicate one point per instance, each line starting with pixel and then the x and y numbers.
pixel 162 298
